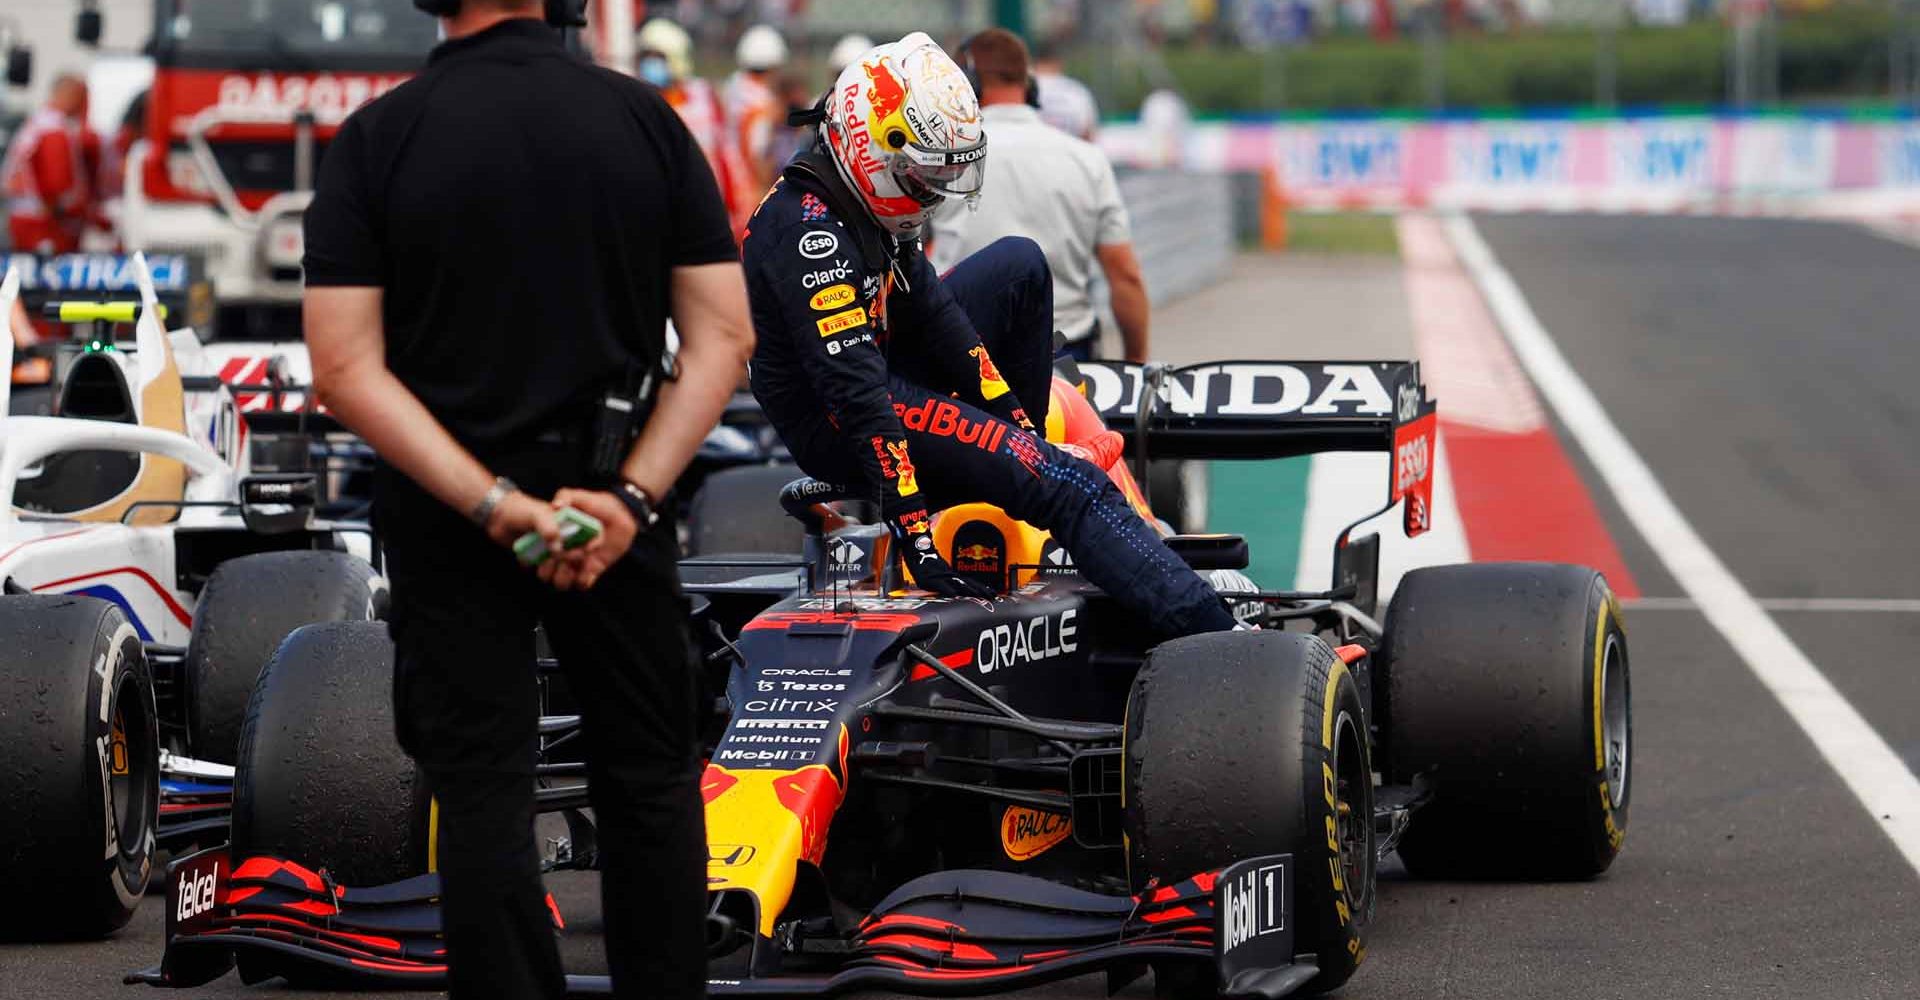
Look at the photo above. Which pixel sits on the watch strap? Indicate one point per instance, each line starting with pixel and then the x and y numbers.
pixel 482 512
pixel 638 503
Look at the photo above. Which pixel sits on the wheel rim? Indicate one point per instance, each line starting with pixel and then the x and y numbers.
pixel 1615 720
pixel 1353 819
pixel 130 760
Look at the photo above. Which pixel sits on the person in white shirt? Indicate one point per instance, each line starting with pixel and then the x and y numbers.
pixel 1054 188
pixel 1065 103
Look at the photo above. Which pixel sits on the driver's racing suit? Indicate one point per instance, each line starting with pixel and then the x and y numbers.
pixel 870 367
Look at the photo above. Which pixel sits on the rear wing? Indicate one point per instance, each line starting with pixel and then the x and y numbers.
pixel 1275 409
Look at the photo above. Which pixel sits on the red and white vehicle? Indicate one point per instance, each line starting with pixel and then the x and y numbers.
pixel 146 574
pixel 244 99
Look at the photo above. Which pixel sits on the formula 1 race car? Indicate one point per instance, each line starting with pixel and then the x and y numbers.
pixel 945 796
pixel 148 573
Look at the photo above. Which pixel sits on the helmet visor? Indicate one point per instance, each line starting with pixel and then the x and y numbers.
pixel 932 174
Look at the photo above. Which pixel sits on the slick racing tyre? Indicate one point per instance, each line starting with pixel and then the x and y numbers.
pixel 737 511
pixel 1506 684
pixel 248 605
pixel 321 780
pixel 81 785
pixel 1242 744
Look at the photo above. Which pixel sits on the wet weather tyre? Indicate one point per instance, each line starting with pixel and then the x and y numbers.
pixel 1506 684
pixel 738 511
pixel 321 780
pixel 1241 744
pixel 82 777
pixel 248 605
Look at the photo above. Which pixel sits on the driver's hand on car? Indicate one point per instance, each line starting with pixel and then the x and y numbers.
pixel 580 569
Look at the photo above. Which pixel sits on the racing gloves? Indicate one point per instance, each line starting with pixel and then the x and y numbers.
pixel 908 522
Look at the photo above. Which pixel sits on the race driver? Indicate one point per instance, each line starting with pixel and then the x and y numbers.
pixel 877 371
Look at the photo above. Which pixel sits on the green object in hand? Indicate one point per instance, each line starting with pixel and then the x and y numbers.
pixel 576 529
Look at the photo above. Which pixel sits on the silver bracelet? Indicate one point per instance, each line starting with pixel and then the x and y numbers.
pixel 482 512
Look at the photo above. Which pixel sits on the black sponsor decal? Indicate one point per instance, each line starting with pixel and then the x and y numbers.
pixel 1253 904
pixel 980 551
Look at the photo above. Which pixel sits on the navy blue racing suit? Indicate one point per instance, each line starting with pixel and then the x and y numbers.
pixel 877 372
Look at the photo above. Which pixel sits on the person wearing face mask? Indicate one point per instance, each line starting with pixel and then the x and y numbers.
pixel 666 61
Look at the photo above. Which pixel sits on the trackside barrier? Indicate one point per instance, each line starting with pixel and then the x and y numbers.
pixel 1788 163
pixel 1183 229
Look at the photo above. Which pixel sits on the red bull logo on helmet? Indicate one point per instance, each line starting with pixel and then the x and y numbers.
pixel 885 93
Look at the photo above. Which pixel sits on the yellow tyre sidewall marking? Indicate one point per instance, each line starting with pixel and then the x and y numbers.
pixel 1609 608
pixel 1329 712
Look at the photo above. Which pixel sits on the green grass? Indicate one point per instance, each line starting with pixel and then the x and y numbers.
pixel 1342 232
pixel 1839 53
pixel 1266 502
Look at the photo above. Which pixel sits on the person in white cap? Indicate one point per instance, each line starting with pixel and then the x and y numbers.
pixel 666 61
pixel 849 48
pixel 753 108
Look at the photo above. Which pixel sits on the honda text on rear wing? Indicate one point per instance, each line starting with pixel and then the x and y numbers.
pixel 1276 409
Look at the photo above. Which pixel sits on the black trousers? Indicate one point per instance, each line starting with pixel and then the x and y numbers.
pixel 466 709
pixel 961 453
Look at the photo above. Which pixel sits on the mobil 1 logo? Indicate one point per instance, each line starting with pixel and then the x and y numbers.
pixel 1252 905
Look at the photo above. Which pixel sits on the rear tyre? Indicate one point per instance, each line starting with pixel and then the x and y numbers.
pixel 1507 685
pixel 321 780
pixel 81 784
pixel 738 511
pixel 248 605
pixel 1241 744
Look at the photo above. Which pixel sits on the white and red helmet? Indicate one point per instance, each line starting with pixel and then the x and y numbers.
pixel 903 126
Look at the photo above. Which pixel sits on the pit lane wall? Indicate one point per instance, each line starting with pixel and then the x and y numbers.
pixel 1667 161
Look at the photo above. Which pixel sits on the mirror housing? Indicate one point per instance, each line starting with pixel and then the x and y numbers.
pixel 88 25
pixel 279 503
pixel 1204 552
pixel 19 66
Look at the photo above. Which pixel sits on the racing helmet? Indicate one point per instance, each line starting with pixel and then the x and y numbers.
pixel 846 50
pixel 760 48
pixel 670 42
pixel 902 125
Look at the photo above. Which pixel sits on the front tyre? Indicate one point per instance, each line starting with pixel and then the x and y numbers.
pixel 1507 685
pixel 248 605
pixel 81 784
pixel 321 780
pixel 1241 744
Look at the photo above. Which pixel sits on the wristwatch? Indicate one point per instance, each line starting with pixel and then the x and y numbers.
pixel 638 504
pixel 482 512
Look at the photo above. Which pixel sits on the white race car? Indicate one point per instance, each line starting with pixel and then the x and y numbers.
pixel 148 572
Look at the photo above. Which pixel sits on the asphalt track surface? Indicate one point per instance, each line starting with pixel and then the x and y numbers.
pixel 1766 372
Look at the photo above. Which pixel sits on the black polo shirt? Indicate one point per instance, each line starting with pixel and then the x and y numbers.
pixel 523 211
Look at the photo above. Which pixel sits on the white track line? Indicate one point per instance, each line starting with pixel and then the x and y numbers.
pixel 1870 768
pixel 1841 605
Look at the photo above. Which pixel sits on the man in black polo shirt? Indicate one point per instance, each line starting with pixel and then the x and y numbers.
pixel 493 248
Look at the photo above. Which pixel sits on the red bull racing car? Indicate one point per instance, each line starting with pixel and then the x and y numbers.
pixel 944 797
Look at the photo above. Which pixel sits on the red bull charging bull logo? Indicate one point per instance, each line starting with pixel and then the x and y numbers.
pixel 992 386
pixel 903 468
pixel 884 92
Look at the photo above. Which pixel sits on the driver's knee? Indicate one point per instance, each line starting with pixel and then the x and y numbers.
pixel 1023 269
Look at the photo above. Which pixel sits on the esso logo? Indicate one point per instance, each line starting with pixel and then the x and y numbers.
pixel 1412 463
pixel 818 244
